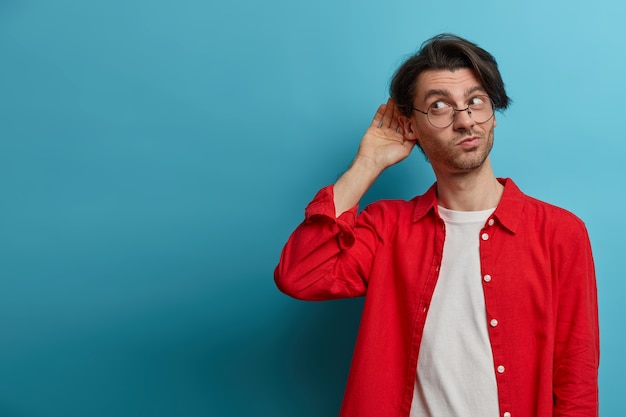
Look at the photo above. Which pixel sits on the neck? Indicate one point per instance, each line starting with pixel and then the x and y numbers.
pixel 475 190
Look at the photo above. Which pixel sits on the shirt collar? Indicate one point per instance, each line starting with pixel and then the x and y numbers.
pixel 425 203
pixel 508 212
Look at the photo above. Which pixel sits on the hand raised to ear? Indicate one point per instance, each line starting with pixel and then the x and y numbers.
pixel 384 143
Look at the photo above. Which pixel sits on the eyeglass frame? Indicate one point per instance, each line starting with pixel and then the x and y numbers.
pixel 455 111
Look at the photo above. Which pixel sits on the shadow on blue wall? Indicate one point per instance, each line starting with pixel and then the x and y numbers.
pixel 300 368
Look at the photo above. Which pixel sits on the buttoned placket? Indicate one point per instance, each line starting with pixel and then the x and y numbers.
pixel 486 238
pixel 438 259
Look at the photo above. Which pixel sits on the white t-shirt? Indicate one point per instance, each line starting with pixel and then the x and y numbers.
pixel 455 372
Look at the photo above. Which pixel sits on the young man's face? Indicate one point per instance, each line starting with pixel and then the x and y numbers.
pixel 462 146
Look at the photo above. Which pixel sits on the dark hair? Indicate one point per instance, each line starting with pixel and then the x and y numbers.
pixel 447 52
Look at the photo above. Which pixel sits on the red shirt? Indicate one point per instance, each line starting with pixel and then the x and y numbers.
pixel 538 281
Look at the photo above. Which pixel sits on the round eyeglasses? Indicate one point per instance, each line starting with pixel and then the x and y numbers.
pixel 441 114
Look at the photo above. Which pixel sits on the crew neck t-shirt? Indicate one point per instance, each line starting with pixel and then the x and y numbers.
pixel 455 372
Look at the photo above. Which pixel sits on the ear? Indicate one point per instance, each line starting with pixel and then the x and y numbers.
pixel 408 127
pixel 495 122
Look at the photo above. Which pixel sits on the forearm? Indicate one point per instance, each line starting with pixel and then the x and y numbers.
pixel 324 258
pixel 354 183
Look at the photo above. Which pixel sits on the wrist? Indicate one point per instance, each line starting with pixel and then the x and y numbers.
pixel 366 166
pixel 354 183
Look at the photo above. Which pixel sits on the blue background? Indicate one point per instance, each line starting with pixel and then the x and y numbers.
pixel 155 155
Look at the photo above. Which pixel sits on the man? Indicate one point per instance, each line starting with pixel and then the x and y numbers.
pixel 480 301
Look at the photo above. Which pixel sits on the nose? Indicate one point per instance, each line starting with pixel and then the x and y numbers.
pixel 463 119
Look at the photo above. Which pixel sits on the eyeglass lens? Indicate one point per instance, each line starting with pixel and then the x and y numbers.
pixel 442 114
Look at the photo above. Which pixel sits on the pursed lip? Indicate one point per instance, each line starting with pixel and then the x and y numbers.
pixel 469 141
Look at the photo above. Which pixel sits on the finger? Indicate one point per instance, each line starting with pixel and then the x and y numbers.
pixel 378 117
pixel 396 115
pixel 388 115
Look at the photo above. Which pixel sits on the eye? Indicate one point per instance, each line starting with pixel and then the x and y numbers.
pixel 477 102
pixel 439 107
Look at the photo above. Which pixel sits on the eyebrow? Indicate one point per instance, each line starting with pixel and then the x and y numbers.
pixel 446 93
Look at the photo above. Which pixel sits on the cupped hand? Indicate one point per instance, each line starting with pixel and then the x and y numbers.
pixel 384 143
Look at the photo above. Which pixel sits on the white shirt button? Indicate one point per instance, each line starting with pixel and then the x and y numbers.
pixel 490 222
pixel 506 414
pixel 487 278
pixel 484 236
pixel 500 369
pixel 493 322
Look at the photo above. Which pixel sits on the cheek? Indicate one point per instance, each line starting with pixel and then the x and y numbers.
pixel 427 135
pixel 422 131
pixel 426 141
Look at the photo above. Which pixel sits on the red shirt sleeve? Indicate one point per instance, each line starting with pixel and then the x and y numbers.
pixel 577 344
pixel 327 257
